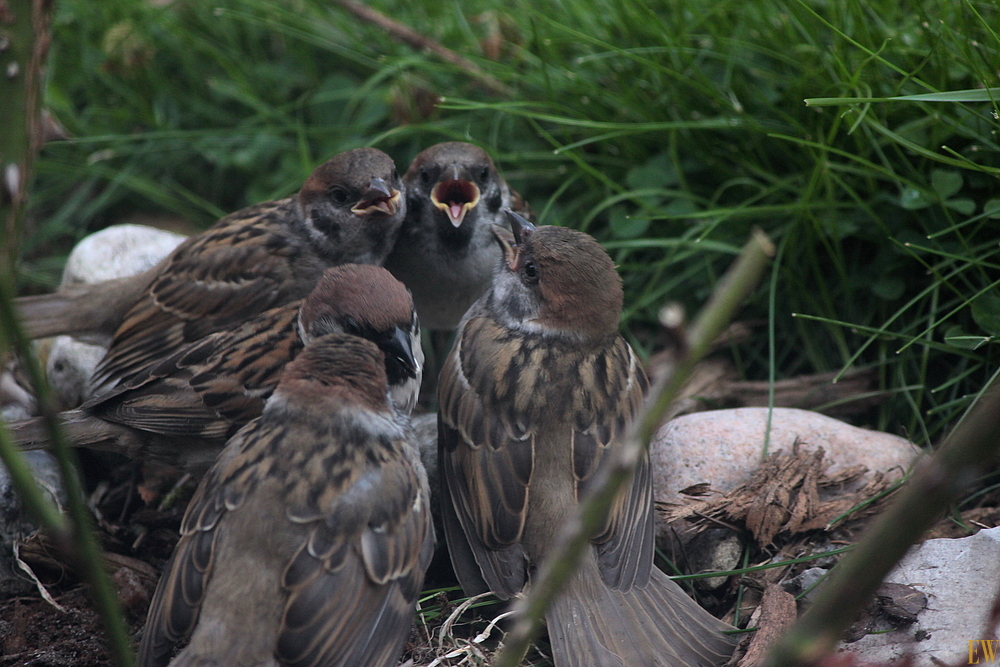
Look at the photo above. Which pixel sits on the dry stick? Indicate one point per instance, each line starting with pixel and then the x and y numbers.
pixel 559 565
pixel 79 543
pixel 969 450
pixel 409 36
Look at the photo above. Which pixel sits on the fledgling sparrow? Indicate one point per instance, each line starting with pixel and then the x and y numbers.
pixel 308 540
pixel 348 210
pixel 538 391
pixel 182 409
pixel 445 252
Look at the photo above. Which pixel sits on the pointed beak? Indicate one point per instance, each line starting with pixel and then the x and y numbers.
pixel 400 346
pixel 456 197
pixel 508 245
pixel 522 228
pixel 380 197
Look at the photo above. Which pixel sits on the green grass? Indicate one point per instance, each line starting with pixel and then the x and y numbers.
pixel 666 130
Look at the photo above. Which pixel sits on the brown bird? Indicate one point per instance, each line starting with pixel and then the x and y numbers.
pixel 538 391
pixel 349 210
pixel 446 253
pixel 182 409
pixel 307 542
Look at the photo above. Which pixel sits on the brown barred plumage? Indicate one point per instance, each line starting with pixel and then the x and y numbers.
pixel 349 210
pixel 307 542
pixel 184 407
pixel 538 391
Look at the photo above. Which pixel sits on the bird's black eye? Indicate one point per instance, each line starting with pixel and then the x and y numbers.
pixel 338 195
pixel 484 173
pixel 530 273
pixel 425 175
pixel 395 176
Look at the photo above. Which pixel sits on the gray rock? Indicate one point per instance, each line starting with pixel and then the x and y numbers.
pixel 714 550
pixel 15 401
pixel 16 525
pixel 960 578
pixel 804 581
pixel 723 447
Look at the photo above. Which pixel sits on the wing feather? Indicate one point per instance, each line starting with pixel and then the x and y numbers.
pixel 240 267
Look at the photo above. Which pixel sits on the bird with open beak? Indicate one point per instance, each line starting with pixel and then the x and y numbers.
pixel 446 253
pixel 349 210
pixel 537 394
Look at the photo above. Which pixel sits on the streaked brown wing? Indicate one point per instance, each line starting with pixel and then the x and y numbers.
pixel 210 388
pixel 353 585
pixel 174 610
pixel 625 544
pixel 486 464
pixel 233 271
pixel 487 455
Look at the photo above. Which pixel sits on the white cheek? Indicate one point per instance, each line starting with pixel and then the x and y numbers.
pixel 418 352
pixel 514 303
pixel 315 234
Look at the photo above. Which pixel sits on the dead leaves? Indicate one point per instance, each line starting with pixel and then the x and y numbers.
pixel 787 493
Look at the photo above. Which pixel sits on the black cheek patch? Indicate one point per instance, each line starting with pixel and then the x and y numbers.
pixel 325 224
pixel 494 202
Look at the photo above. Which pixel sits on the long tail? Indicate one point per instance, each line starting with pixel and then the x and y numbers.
pixel 88 312
pixel 591 625
pixel 80 430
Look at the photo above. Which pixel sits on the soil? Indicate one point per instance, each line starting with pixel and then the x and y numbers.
pixel 139 514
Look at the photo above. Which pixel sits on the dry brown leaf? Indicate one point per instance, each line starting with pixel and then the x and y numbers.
pixel 786 494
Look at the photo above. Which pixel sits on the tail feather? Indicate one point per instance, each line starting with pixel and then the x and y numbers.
pixel 591 625
pixel 88 312
pixel 80 430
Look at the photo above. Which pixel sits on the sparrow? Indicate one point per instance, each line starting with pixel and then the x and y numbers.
pixel 537 394
pixel 445 252
pixel 349 210
pixel 183 408
pixel 308 540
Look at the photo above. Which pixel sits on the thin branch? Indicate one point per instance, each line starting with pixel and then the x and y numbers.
pixel 559 565
pixel 970 450
pixel 411 37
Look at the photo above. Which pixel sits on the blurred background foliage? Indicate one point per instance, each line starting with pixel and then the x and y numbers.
pixel 666 130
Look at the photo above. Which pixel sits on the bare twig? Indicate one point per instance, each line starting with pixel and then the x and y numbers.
pixel 970 449
pixel 411 37
pixel 560 564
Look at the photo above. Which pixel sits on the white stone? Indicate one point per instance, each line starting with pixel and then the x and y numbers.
pixel 114 252
pixel 118 251
pixel 960 578
pixel 69 366
pixel 723 447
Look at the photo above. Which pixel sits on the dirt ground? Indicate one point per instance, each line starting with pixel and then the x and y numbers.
pixel 139 513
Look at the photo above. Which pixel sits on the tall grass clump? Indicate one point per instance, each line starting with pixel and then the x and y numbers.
pixel 667 130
